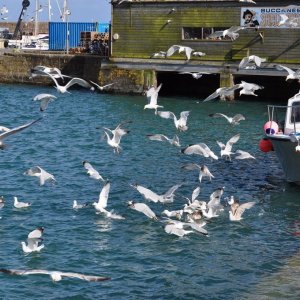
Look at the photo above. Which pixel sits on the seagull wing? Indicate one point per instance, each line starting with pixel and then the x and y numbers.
pixel 78 81
pixel 104 195
pixel 166 115
pixel 238 117
pixel 184 115
pixel 243 155
pixel 172 50
pixel 280 67
pixel 91 171
pixel 216 115
pixel 35 234
pixel 230 142
pixel 243 63
pixel 147 194
pixel 195 193
pixel 158 137
pixel 216 34
pixel 213 95
pixel 145 209
pixel 208 152
pixel 172 190
pixel 188 52
pixel 240 210
pixel 83 276
pixel 24 272
pixel 17 129
pixel 215 198
pixel 191 166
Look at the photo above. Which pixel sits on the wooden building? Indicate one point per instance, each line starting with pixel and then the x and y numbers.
pixel 140 28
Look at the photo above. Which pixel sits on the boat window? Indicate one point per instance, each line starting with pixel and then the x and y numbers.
pixel 295 116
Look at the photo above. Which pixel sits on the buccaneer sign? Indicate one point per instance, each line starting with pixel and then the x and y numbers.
pixel 271 17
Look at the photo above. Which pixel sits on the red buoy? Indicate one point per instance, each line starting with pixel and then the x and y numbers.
pixel 265 145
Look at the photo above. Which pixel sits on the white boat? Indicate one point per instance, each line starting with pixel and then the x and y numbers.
pixel 31 42
pixel 285 139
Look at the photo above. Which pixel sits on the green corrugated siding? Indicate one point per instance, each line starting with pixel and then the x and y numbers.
pixel 142 32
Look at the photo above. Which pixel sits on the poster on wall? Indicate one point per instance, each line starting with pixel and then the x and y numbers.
pixel 271 17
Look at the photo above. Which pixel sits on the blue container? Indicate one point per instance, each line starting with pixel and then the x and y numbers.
pixel 58 34
pixel 103 27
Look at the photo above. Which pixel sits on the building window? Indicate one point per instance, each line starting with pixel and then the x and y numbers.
pixel 202 33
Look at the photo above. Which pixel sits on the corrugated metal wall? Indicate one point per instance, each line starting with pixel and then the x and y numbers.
pixel 58 33
pixel 103 27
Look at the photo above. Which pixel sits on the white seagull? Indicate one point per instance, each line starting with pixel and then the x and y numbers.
pixel 101 87
pixel 287 21
pixel 46 71
pixel 178 228
pixel 149 195
pixel 231 32
pixel 226 149
pixel 180 123
pixel 33 240
pixel 174 213
pixel 2 202
pixel 162 138
pixel 93 173
pixel 101 205
pixel 252 59
pixel 143 208
pixel 248 1
pixel 291 74
pixel 240 154
pixel 237 210
pixel 44 99
pixel 41 174
pixel 203 170
pixel 235 120
pixel 3 128
pixel 199 149
pixel 199 53
pixel 214 206
pixel 222 92
pixel 64 88
pixel 195 75
pixel 114 139
pixel 55 275
pixel 152 95
pixel 187 50
pixel 9 132
pixel 249 88
pixel 18 204
pixel 160 54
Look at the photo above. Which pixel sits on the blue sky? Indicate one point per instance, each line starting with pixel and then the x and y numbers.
pixel 81 10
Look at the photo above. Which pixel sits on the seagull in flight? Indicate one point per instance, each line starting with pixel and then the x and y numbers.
pixel 143 208
pixel 41 174
pixel 33 240
pixel 180 123
pixel 149 195
pixel 162 138
pixel 199 149
pixel 248 1
pixel 214 206
pixel 222 92
pixel 235 120
pixel 101 205
pixel 240 154
pixel 101 87
pixel 160 54
pixel 226 149
pixel 9 132
pixel 152 95
pixel 287 21
pixel 44 99
pixel 203 170
pixel 249 88
pixel 187 50
pixel 46 71
pixel 231 32
pixel 18 204
pixel 93 173
pixel 64 88
pixel 195 75
pixel 252 59
pixel 55 275
pixel 179 228
pixel 291 74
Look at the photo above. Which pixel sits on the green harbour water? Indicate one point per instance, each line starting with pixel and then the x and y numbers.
pixel 257 258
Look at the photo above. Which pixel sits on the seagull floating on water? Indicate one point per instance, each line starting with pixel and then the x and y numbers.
pixel 55 275
pixel 41 174
pixel 18 204
pixel 237 210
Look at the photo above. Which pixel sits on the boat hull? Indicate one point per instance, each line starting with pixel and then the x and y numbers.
pixel 287 156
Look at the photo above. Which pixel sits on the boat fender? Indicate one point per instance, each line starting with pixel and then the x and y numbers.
pixel 271 127
pixel 265 145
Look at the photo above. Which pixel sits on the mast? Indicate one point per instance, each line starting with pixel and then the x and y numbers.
pixel 36 21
